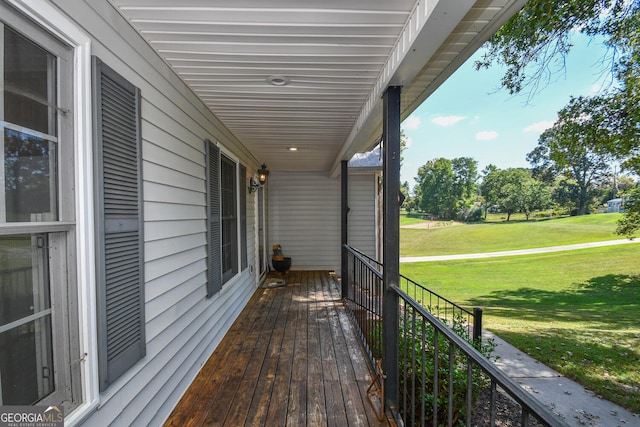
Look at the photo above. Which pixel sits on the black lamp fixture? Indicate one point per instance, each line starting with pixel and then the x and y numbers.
pixel 255 183
pixel 263 173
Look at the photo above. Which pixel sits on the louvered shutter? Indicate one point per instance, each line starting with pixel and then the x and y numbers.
pixel 214 220
pixel 120 280
pixel 243 218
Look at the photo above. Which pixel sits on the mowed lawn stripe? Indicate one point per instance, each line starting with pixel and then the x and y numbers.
pixel 504 236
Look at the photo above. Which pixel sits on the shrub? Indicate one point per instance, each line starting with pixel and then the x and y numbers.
pixel 469 213
pixel 417 366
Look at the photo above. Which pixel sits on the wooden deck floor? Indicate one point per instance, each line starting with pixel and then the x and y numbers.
pixel 291 359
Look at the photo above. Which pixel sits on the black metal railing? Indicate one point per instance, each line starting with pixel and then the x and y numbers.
pixel 441 307
pixel 364 301
pixel 444 309
pixel 443 378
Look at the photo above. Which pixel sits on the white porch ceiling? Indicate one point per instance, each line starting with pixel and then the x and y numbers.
pixel 337 57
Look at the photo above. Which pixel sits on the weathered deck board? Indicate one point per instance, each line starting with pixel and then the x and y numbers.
pixel 290 359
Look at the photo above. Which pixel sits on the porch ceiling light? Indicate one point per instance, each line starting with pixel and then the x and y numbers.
pixel 292 148
pixel 278 80
pixel 259 179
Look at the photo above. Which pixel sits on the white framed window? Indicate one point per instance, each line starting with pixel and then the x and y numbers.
pixel 226 218
pixel 38 316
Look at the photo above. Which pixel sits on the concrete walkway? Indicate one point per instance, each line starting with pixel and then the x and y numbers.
pixel 517 252
pixel 569 400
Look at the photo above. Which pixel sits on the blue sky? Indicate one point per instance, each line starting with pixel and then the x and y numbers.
pixel 470 116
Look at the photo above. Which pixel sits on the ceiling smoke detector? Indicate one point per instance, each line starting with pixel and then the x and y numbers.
pixel 277 80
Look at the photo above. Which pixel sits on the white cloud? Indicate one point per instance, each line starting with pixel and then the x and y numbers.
pixel 539 127
pixel 486 135
pixel 411 123
pixel 408 140
pixel 447 120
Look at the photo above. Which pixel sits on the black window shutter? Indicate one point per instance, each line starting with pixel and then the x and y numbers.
pixel 243 218
pixel 120 257
pixel 214 220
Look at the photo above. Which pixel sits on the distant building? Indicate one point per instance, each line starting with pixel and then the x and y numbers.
pixel 615 205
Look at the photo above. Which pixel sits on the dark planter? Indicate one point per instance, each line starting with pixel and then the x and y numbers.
pixel 283 265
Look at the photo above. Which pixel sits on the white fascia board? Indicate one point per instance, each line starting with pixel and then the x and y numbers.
pixel 429 24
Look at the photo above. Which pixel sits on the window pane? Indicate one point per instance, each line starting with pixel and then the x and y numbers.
pixel 228 186
pixel 30 178
pixel 29 78
pixel 26 352
pixel 229 219
pixel 26 362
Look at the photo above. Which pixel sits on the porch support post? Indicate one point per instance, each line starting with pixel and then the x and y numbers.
pixel 344 227
pixel 391 234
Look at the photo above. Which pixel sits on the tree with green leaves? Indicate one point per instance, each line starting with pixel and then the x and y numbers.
pixel 511 190
pixel 435 180
pixel 629 224
pixel 490 187
pixel 574 148
pixel 445 187
pixel 521 193
pixel 535 42
pixel 514 190
pixel 534 196
pixel 409 201
pixel 465 172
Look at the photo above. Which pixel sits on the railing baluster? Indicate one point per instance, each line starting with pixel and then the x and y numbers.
pixel 413 358
pixel 492 406
pixel 405 363
pixel 469 391
pixel 436 369
pixel 418 325
pixel 451 384
pixel 423 383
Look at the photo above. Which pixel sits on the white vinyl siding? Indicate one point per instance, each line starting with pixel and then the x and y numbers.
pixel 304 218
pixel 362 212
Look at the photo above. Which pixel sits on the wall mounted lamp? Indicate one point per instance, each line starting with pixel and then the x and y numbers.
pixel 255 183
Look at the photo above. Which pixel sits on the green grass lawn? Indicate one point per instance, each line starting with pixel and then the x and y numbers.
pixel 512 235
pixel 576 311
pixel 406 220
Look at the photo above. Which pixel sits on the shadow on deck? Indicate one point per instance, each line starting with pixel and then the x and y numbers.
pixel 290 359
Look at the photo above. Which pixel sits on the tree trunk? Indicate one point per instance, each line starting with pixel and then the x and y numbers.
pixel 582 203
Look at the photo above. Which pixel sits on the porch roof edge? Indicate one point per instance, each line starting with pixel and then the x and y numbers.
pixel 419 58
